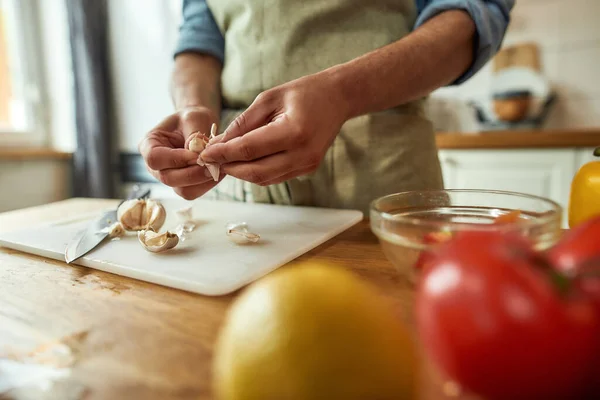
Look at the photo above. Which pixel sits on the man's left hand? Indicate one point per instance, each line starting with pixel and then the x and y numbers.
pixel 284 133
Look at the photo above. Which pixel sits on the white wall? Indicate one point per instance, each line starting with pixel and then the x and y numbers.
pixel 568 34
pixel 30 183
pixel 142 39
pixel 58 74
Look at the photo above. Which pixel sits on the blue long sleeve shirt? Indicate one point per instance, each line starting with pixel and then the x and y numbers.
pixel 200 33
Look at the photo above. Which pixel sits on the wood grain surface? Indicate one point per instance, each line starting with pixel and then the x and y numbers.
pixel 135 340
pixel 33 153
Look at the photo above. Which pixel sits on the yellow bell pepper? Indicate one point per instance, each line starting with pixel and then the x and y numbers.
pixel 584 201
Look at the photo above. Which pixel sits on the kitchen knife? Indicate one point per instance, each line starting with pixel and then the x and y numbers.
pixel 97 231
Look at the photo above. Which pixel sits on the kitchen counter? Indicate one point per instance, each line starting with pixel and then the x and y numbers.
pixel 519 139
pixel 137 340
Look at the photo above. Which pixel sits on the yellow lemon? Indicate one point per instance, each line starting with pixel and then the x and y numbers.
pixel 313 332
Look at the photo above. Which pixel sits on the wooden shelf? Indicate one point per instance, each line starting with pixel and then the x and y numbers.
pixel 519 139
pixel 18 153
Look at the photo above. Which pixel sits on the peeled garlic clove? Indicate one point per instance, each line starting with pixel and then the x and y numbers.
pixel 157 242
pixel 239 233
pixel 140 214
pixel 213 130
pixel 197 143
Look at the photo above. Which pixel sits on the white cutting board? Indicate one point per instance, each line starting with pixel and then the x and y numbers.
pixel 207 262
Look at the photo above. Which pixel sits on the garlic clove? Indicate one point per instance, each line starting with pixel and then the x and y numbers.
pixel 197 143
pixel 157 242
pixel 156 215
pixel 140 214
pixel 239 234
pixel 213 130
pixel 129 214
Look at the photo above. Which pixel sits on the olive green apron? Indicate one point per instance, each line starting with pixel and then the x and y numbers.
pixel 270 42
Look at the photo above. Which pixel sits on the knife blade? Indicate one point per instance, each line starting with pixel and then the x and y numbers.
pixel 95 233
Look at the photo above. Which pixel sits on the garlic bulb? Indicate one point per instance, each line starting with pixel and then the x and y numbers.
pixel 239 233
pixel 157 242
pixel 137 215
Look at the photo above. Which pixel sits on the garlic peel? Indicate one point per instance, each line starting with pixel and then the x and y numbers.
pixel 197 143
pixel 157 242
pixel 141 214
pixel 214 170
pixel 239 233
pixel 185 214
pixel 114 231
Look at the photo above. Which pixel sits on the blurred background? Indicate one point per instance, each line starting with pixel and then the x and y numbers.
pixel 82 81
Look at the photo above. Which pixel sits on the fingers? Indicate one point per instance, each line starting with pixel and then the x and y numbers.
pixel 169 124
pixel 193 192
pixel 165 146
pixel 182 177
pixel 159 157
pixel 271 168
pixel 289 175
pixel 264 141
pixel 255 116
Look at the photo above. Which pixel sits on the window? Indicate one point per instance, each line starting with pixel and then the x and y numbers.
pixel 21 70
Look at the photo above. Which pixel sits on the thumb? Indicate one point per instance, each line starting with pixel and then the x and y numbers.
pixel 255 116
pixel 195 120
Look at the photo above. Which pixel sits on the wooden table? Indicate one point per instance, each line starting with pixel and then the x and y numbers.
pixel 136 340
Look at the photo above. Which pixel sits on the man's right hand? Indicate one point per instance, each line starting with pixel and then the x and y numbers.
pixel 165 153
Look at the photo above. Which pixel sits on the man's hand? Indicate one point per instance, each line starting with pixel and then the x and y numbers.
pixel 284 133
pixel 165 153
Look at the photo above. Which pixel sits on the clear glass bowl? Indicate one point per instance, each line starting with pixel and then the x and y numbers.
pixel 402 221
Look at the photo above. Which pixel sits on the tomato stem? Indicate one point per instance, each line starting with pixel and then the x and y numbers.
pixel 561 282
pixel 597 152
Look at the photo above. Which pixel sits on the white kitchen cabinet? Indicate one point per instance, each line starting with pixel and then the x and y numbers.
pixel 583 156
pixel 541 172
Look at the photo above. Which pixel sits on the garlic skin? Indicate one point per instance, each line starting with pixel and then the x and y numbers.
pixel 214 170
pixel 137 215
pixel 157 242
pixel 238 233
pixel 114 231
pixel 198 142
pixel 185 214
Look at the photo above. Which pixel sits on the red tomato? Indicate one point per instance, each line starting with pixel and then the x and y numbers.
pixel 508 218
pixel 580 247
pixel 431 238
pixel 495 324
pixel 579 251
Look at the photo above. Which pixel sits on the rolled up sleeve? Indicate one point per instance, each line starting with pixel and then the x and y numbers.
pixel 199 32
pixel 491 19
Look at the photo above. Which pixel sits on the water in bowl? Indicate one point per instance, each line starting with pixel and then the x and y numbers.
pixel 401 234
